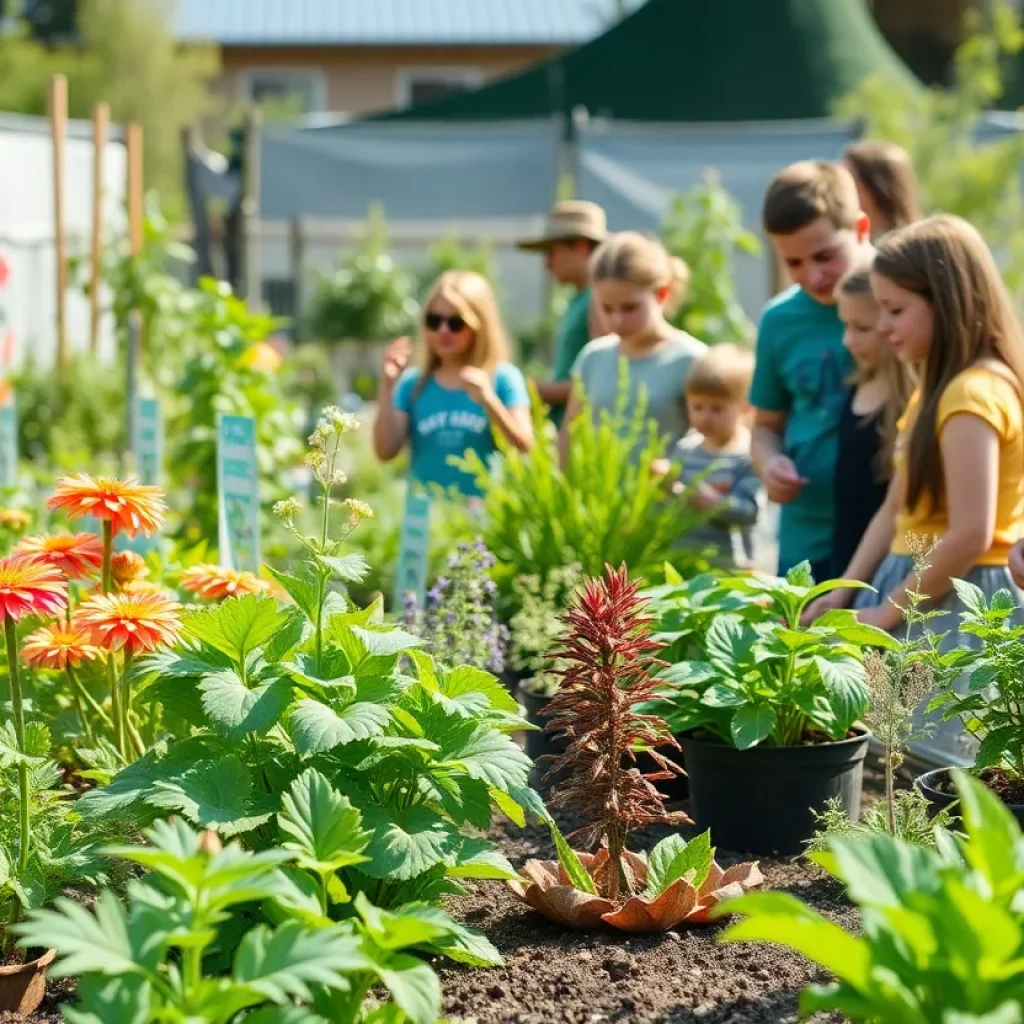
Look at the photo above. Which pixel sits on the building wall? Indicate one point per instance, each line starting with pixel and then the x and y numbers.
pixel 924 33
pixel 367 79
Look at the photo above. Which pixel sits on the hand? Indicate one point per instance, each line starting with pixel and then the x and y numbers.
pixel 782 482
pixel 1016 563
pixel 477 383
pixel 660 467
pixel 826 603
pixel 396 359
pixel 703 496
pixel 884 616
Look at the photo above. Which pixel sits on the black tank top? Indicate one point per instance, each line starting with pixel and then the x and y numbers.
pixel 859 491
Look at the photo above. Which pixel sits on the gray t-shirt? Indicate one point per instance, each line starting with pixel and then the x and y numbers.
pixel 662 375
pixel 729 531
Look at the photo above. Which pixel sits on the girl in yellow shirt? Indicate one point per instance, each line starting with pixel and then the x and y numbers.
pixel 957 482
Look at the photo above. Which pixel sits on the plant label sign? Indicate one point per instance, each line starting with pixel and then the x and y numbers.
pixel 413 551
pixel 9 443
pixel 238 492
pixel 148 457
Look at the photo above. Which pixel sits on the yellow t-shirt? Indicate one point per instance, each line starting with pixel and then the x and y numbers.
pixel 990 395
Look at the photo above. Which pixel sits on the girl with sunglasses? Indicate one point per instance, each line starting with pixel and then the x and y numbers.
pixel 464 392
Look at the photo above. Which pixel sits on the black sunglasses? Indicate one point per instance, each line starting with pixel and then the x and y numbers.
pixel 435 322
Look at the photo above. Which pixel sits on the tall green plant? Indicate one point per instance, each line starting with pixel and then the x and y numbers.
pixel 959 173
pixel 606 507
pixel 704 227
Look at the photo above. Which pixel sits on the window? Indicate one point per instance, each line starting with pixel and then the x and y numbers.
pixel 296 91
pixel 424 85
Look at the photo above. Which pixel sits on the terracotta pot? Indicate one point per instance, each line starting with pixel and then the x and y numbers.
pixel 22 986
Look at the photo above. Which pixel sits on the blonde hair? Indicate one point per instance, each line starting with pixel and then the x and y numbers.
pixel 803 192
pixel 473 297
pixel 641 261
pixel 725 371
pixel 856 284
pixel 945 261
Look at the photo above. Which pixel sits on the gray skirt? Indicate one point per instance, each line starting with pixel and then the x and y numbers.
pixel 943 743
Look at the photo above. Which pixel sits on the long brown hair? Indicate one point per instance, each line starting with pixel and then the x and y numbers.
pixel 857 284
pixel 886 173
pixel 945 261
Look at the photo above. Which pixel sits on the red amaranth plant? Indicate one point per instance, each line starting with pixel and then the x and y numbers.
pixel 609 660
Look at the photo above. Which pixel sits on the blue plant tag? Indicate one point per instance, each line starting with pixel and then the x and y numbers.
pixel 414 550
pixel 148 459
pixel 9 444
pixel 238 493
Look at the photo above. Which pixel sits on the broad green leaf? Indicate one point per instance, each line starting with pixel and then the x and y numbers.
pixel 781 918
pixel 846 685
pixel 996 848
pixel 471 692
pixel 325 828
pixel 127 999
pixel 283 964
pixel 352 568
pixel 236 710
pixel 404 928
pixel 334 673
pixel 751 724
pixel 132 785
pixel 477 858
pixel 1011 1012
pixel 570 863
pixel 88 942
pixel 467 946
pixel 827 586
pixel 238 625
pixel 729 641
pixel 302 591
pixel 215 795
pixel 316 728
pixel 414 987
pixel 674 858
pixel 491 757
pixel 880 873
pixel 287 1015
pixel 721 695
pixel 10 753
pixel 407 842
pixel 994 747
pixel 386 641
pixel 971 597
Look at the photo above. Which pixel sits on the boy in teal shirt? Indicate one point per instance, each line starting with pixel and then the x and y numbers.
pixel 574 230
pixel 813 217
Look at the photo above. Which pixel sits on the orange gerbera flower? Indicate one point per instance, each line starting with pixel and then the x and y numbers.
pixel 126 504
pixel 31 587
pixel 58 646
pixel 135 621
pixel 75 554
pixel 127 567
pixel 212 582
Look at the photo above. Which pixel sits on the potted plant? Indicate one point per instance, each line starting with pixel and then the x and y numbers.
pixel 992 706
pixel 769 716
pixel 609 660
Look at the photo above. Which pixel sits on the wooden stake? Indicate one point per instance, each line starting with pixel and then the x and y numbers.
pixel 58 106
pixel 100 133
pixel 133 144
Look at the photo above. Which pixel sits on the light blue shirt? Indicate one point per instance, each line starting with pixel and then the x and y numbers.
pixel 444 422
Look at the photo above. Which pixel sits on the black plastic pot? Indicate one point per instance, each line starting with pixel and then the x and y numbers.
pixel 677 788
pixel 763 800
pixel 938 789
pixel 538 743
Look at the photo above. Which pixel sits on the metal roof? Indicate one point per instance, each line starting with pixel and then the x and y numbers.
pixel 395 22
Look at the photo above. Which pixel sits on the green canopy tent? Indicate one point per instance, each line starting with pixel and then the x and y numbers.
pixel 695 60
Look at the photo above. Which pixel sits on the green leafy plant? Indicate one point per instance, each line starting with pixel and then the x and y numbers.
pixel 605 507
pixel 368 297
pixel 770 679
pixel 992 707
pixel 186 947
pixel 943 936
pixel 450 254
pixel 704 227
pixel 265 691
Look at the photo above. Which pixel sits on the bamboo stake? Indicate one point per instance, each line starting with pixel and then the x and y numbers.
pixel 133 144
pixel 58 106
pixel 100 134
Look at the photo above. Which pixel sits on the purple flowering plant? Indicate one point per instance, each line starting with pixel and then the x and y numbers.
pixel 460 620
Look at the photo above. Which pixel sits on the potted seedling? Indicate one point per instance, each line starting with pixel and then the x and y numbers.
pixel 991 707
pixel 609 660
pixel 769 712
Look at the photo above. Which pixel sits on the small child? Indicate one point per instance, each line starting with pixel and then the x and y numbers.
pixel 868 423
pixel 718 475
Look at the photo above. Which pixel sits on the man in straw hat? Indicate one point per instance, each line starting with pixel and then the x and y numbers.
pixel 573 231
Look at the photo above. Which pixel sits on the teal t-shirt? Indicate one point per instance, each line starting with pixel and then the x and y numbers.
pixel 661 376
pixel 572 337
pixel 444 422
pixel 801 370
